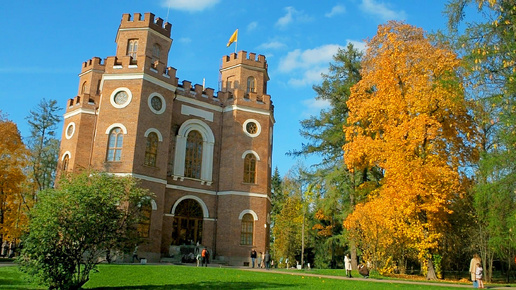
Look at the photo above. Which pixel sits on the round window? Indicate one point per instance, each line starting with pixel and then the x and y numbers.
pixel 70 130
pixel 156 103
pixel 252 128
pixel 121 97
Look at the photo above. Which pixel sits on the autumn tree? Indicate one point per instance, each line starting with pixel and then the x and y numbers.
pixel 73 226
pixel 13 158
pixel 408 117
pixel 489 50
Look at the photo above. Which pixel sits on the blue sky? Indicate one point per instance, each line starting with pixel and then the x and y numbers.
pixel 44 44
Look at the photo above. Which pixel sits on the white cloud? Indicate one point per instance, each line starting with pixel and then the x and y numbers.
pixel 291 16
pixel 338 9
pixel 272 45
pixel 305 67
pixel 252 26
pixel 189 5
pixel 314 106
pixel 382 10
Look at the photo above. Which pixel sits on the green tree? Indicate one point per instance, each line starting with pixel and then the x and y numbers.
pixel 489 53
pixel 73 226
pixel 337 185
pixel 43 144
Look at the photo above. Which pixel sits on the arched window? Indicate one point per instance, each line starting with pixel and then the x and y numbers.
pixel 193 157
pixel 151 151
pixel 144 226
pixel 246 235
pixel 251 85
pixel 116 138
pixel 132 48
pixel 250 168
pixel 66 161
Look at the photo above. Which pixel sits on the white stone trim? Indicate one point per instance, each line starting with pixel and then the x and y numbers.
pixel 252 152
pixel 142 177
pixel 120 89
pixel 79 111
pixel 124 129
pixel 71 124
pixel 205 212
pixel 163 103
pixel 191 111
pixel 242 193
pixel 138 76
pixel 154 205
pixel 245 211
pixel 150 130
pixel 64 155
pixel 203 104
pixel 207 148
pixel 191 189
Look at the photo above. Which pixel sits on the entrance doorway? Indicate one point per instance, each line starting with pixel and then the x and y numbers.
pixel 187 225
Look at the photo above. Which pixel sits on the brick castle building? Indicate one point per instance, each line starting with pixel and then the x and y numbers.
pixel 205 156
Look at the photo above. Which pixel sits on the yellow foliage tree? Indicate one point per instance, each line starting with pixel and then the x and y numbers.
pixel 408 116
pixel 13 154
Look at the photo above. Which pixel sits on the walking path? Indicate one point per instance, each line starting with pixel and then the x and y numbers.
pixel 373 280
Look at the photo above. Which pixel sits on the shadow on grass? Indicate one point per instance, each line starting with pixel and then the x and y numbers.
pixel 204 285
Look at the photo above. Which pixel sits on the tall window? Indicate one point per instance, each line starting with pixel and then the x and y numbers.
pixel 193 157
pixel 66 161
pixel 83 88
pixel 151 151
pixel 144 226
pixel 246 235
pixel 116 138
pixel 250 168
pixel 251 85
pixel 156 50
pixel 132 48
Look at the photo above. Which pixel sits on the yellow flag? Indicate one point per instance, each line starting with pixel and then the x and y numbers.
pixel 233 38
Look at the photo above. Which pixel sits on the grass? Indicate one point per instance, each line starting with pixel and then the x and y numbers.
pixel 186 277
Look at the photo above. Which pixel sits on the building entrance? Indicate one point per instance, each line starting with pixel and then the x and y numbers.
pixel 187 225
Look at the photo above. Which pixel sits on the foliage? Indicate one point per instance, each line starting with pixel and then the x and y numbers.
pixel 13 158
pixel 408 116
pixel 43 144
pixel 72 226
pixel 489 50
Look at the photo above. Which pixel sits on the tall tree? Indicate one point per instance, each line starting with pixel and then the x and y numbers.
pixel 13 158
pixel 43 143
pixel 408 116
pixel 337 185
pixel 73 226
pixel 489 50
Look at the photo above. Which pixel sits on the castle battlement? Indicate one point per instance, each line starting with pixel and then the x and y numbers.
pixel 242 58
pixel 198 92
pixel 147 21
pixel 93 63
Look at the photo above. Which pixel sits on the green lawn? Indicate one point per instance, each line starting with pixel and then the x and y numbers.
pixel 186 277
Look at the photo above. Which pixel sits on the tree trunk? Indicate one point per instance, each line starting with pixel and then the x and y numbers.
pixel 430 275
pixel 353 249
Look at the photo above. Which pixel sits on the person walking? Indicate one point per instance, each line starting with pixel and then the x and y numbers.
pixel 347 265
pixel 473 269
pixel 135 254
pixel 260 258
pixel 253 257
pixel 204 257
pixel 267 260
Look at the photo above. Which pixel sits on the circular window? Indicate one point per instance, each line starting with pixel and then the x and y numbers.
pixel 157 103
pixel 70 130
pixel 121 97
pixel 252 128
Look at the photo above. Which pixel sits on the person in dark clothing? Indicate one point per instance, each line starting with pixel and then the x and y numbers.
pixel 267 260
pixel 362 269
pixel 253 256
